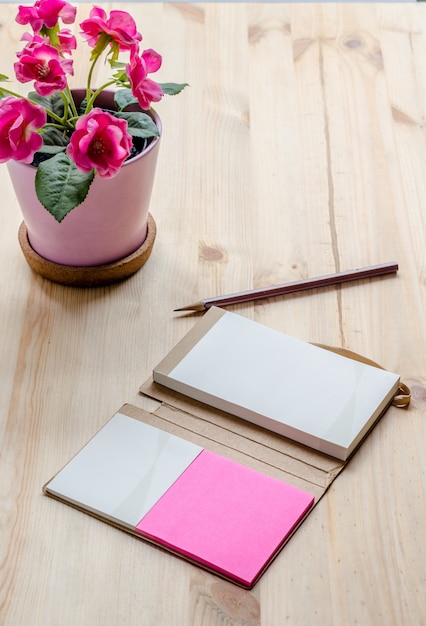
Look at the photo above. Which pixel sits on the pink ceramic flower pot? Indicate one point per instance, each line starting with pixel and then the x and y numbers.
pixel 109 225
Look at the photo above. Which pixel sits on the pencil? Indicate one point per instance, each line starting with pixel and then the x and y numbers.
pixel 293 287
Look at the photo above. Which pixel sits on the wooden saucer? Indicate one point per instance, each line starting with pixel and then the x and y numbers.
pixel 90 276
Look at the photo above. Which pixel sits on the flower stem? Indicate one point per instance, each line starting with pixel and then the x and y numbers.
pixel 11 93
pixel 89 82
pixel 96 93
pixel 69 101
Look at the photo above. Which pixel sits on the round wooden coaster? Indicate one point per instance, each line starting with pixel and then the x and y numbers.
pixel 91 276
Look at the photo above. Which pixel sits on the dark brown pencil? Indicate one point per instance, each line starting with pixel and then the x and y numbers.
pixel 293 287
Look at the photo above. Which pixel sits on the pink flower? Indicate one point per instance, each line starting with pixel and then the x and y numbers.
pixel 143 88
pixel 120 28
pixel 19 121
pixel 42 63
pixel 100 141
pixel 67 41
pixel 46 13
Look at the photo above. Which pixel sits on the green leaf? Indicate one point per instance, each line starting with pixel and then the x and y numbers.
pixel 139 124
pixel 60 186
pixel 101 44
pixel 51 149
pixel 172 89
pixel 43 101
pixel 3 77
pixel 54 137
pixel 52 103
pixel 117 65
pixel 124 97
pixel 121 78
pixel 57 104
pixel 82 107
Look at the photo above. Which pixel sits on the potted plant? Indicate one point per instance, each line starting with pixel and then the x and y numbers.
pixel 82 161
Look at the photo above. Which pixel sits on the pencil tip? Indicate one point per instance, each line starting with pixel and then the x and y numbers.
pixel 198 306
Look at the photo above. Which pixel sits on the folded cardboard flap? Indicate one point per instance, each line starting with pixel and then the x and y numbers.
pixel 212 430
pixel 239 440
pixel 249 444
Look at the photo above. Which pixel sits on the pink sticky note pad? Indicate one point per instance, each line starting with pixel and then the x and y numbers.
pixel 226 516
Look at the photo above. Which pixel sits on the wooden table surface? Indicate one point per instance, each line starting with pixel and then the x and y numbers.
pixel 298 150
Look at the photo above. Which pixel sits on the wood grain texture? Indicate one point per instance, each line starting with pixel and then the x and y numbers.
pixel 298 150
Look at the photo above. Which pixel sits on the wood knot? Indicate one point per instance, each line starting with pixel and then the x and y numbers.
pixel 418 393
pixel 237 603
pixel 300 46
pixel 353 43
pixel 210 253
pixel 402 118
pixel 259 30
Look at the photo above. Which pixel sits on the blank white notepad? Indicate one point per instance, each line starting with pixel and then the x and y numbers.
pixel 312 395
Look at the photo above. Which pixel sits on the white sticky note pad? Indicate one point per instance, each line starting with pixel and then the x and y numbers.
pixel 124 470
